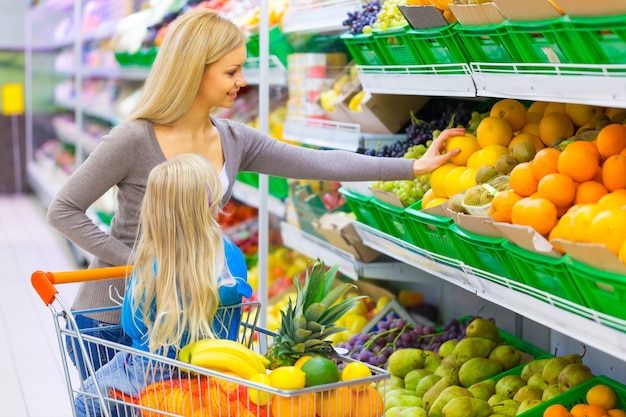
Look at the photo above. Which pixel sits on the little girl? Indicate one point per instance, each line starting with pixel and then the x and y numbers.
pixel 183 269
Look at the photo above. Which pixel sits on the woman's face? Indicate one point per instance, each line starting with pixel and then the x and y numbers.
pixel 223 79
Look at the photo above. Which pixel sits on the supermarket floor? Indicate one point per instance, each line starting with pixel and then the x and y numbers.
pixel 30 359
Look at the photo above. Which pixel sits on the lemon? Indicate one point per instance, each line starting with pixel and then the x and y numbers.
pixel 287 377
pixel 257 396
pixel 355 370
pixel 468 144
pixel 319 371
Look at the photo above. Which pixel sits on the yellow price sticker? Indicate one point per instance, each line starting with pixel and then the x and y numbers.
pixel 12 99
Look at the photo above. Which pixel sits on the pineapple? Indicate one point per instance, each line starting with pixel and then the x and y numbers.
pixel 305 325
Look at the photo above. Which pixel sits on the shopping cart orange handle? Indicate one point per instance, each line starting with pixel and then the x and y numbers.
pixel 44 282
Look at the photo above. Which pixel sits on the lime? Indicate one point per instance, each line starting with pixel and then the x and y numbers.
pixel 260 397
pixel 302 360
pixel 287 377
pixel 319 371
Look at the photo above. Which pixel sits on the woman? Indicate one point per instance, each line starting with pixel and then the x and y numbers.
pixel 198 70
pixel 183 270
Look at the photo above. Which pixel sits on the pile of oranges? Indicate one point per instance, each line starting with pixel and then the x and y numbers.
pixel 601 401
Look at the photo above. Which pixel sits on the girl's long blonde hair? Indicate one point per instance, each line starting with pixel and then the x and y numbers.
pixel 193 41
pixel 180 253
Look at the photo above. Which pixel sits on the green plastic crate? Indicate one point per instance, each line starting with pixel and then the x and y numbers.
pixel 602 291
pixel 484 43
pixel 545 273
pixel 535 41
pixel 363 48
pixel 361 206
pixel 392 220
pixel 431 232
pixel 577 395
pixel 279 45
pixel 438 45
pixel 396 47
pixel 485 253
pixel 278 186
pixel 594 40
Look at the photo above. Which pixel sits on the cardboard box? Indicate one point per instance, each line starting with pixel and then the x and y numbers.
pixel 338 229
pixel 478 14
pixel 480 225
pixel 527 238
pixel 515 10
pixel 423 17
pixel 592 254
pixel 586 8
pixel 309 207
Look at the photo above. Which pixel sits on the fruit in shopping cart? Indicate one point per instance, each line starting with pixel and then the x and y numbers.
pixel 189 352
pixel 319 371
pixel 287 377
pixel 355 370
pixel 402 361
pixel 306 325
pixel 257 396
pixel 298 406
pixel 367 402
pixel 224 362
pixel 334 403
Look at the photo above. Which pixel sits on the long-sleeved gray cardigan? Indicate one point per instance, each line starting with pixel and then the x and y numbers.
pixel 125 156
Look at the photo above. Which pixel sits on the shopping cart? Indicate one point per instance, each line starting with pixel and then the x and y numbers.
pixel 175 388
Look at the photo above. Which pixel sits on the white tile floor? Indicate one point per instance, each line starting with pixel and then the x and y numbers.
pixel 30 359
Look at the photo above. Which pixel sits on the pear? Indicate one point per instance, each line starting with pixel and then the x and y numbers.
pixel 472 347
pixel 403 361
pixel 401 411
pixel 573 375
pixel 431 395
pixel 447 367
pixel 483 389
pixel 444 397
pixel 466 407
pixel 478 369
pixel 528 393
pixel 425 384
pixel 509 356
pixel 507 407
pixel 496 399
pixel 413 377
pixel 431 361
pixel 536 380
pixel 554 366
pixel 550 392
pixel 527 405
pixel 508 385
pixel 447 347
pixel 533 367
pixel 483 328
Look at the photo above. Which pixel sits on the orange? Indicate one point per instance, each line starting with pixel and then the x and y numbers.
pixel 468 144
pixel 611 140
pixel 513 111
pixel 580 221
pixel 608 227
pixel 614 172
pixel 367 402
pixel 601 395
pixel 256 396
pixel 579 160
pixel 616 413
pixel 532 127
pixel 522 180
pixel 553 126
pixel 528 137
pixel 545 162
pixel 502 205
pixel 441 4
pixel 538 213
pixel 538 107
pixel 494 130
pixel 558 188
pixel 613 200
pixel 556 410
pixel 554 107
pixel 589 192
pixel 301 405
pixel 580 114
pixel 593 410
pixel 579 410
pixel 334 403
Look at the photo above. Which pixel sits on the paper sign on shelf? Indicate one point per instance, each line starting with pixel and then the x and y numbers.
pixel 12 99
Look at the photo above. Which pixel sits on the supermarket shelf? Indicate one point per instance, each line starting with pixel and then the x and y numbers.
pixel 68 132
pixel 322 16
pixel 592 328
pixel 250 196
pixel 332 134
pixel 107 115
pixel 45 182
pixel 277 74
pixel 129 73
pixel 313 247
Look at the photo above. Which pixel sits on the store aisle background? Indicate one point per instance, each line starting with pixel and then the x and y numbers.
pixel 30 359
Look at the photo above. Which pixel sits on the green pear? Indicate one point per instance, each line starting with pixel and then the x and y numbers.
pixel 550 392
pixel 573 375
pixel 536 380
pixel 509 356
pixel 432 360
pixel 466 407
pixel 472 347
pixel 483 328
pixel 506 407
pixel 394 411
pixel 403 361
pixel 392 383
pixel 410 400
pixel 412 412
pixel 401 397
pixel 431 395
pixel 533 367
pixel 508 385
pixel 447 347
pixel 425 384
pixel 527 405
pixel 444 397
pixel 528 393
pixel 447 367
pixel 497 398
pixel 483 389
pixel 413 377
pixel 554 366
pixel 478 369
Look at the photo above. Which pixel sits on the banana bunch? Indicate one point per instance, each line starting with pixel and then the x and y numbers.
pixel 225 356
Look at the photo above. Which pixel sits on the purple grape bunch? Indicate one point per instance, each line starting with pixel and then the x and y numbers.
pixel 366 17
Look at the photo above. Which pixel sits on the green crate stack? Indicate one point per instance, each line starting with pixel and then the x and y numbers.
pixel 485 253
pixel 484 43
pixel 535 41
pixel 431 232
pixel 363 48
pixel 438 45
pixel 361 206
pixel 392 220
pixel 594 40
pixel 603 291
pixel 279 45
pixel 396 47
pixel 545 273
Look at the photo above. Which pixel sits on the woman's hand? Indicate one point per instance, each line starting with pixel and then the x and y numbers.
pixel 433 158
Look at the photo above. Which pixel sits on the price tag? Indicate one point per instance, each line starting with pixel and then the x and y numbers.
pixel 12 99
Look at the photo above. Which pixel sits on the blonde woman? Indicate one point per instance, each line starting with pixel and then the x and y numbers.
pixel 183 270
pixel 198 70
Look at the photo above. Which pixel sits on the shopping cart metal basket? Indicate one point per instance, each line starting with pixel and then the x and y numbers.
pixel 178 389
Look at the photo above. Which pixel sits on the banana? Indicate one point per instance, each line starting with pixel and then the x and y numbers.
pixel 262 359
pixel 184 354
pixel 229 346
pixel 224 362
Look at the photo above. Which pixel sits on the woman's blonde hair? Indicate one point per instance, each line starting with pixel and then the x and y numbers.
pixel 180 253
pixel 193 41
